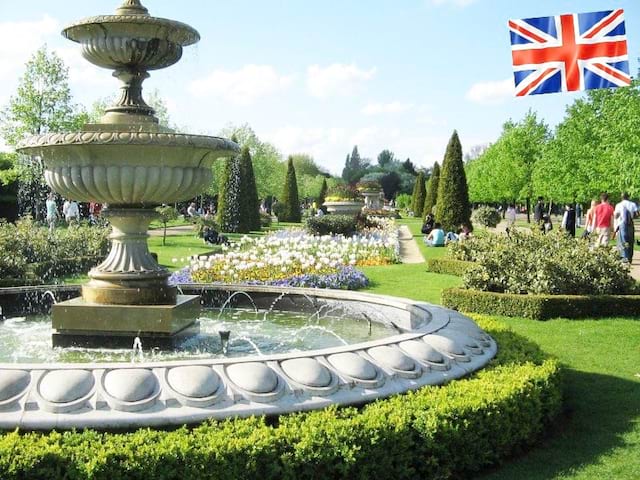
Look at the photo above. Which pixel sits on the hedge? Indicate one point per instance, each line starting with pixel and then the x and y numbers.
pixel 448 266
pixel 541 307
pixel 435 432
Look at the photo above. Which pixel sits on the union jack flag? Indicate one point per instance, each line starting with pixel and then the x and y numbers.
pixel 569 52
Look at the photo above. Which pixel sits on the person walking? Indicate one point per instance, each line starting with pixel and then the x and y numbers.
pixel 52 211
pixel 538 211
pixel 590 220
pixel 569 220
pixel 604 220
pixel 510 217
pixel 623 215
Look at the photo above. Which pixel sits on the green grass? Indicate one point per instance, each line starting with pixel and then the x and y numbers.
pixel 179 248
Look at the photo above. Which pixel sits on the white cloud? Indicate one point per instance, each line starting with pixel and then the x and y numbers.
pixel 487 93
pixel 243 86
pixel 456 3
pixel 19 40
pixel 335 79
pixel 382 108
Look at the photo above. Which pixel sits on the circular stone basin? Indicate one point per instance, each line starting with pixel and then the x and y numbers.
pixel 63 386
pixel 131 384
pixel 253 377
pixel 422 351
pixel 392 357
pixel 195 381
pixel 444 344
pixel 353 365
pixel 307 371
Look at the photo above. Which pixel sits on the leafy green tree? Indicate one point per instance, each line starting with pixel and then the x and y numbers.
pixel 166 213
pixel 291 202
pixel 305 165
pixel 249 204
pixel 42 104
pixel 431 197
pixel 385 157
pixel 418 196
pixel 453 208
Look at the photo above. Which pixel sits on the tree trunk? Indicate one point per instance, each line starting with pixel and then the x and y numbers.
pixel 528 210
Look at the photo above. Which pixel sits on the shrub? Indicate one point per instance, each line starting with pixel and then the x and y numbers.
pixel 343 193
pixel 418 197
pixel 291 211
pixel 431 198
pixel 530 262
pixel 448 266
pixel 541 307
pixel 368 186
pixel 332 225
pixel 453 208
pixel 249 203
pixel 322 194
pixel 486 216
pixel 403 201
pixel 451 431
pixel 229 196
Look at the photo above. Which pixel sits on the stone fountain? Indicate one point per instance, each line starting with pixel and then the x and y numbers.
pixel 131 163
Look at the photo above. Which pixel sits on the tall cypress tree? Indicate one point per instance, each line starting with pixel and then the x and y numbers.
pixel 323 193
pixel 249 204
pixel 291 211
pixel 453 208
pixel 431 198
pixel 419 194
pixel 229 196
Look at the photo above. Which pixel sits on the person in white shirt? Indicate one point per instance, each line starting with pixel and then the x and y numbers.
pixel 623 216
pixel 52 211
pixel 71 211
pixel 510 216
pixel 192 211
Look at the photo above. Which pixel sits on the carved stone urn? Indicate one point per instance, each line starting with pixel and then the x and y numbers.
pixel 132 164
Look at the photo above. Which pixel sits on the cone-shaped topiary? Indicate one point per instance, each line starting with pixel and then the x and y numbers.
pixel 431 198
pixel 229 196
pixel 249 204
pixel 323 193
pixel 419 194
pixel 453 208
pixel 291 209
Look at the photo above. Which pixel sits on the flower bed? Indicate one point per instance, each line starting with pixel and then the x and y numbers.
pixel 295 258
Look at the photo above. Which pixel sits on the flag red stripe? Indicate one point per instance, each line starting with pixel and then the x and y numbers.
pixel 577 52
pixel 613 73
pixel 528 33
pixel 533 85
pixel 604 24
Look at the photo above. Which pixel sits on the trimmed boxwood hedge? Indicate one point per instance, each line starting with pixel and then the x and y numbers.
pixel 541 307
pixel 435 432
pixel 448 266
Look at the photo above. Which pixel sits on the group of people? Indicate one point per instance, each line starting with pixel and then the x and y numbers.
pixel 435 236
pixel 70 212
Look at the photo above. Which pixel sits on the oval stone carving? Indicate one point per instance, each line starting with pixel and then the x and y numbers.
pixel 444 344
pixel 62 386
pixel 196 381
pixel 13 382
pixel 307 371
pixel 392 357
pixel 463 339
pixel 353 365
pixel 253 377
pixel 422 351
pixel 130 385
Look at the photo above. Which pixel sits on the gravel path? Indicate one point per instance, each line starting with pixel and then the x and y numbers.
pixel 409 251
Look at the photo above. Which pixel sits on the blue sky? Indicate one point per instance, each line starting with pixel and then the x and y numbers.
pixel 319 77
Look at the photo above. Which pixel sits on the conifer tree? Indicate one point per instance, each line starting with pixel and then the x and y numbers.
pixel 323 193
pixel 431 198
pixel 229 196
pixel 291 209
pixel 419 194
pixel 249 204
pixel 453 208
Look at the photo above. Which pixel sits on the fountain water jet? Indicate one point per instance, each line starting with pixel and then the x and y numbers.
pixel 131 163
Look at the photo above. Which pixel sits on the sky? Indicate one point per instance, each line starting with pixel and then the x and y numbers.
pixel 319 77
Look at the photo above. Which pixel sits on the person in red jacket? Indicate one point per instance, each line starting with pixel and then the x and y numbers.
pixel 604 220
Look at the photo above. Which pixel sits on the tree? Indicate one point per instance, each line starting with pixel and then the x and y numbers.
pixel 431 197
pixel 390 183
pixel 166 213
pixel 154 100
pixel 42 104
pixel 385 157
pixel 229 196
pixel 305 165
pixel 409 167
pixel 291 202
pixel 249 203
pixel 453 208
pixel 323 193
pixel 418 197
pixel 354 167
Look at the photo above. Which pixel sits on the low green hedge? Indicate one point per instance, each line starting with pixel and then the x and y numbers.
pixel 62 266
pixel 448 266
pixel 541 307
pixel 435 432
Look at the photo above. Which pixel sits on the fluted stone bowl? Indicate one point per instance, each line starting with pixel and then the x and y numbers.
pixel 128 167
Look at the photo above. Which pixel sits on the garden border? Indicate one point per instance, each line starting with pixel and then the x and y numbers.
pixel 448 266
pixel 541 307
